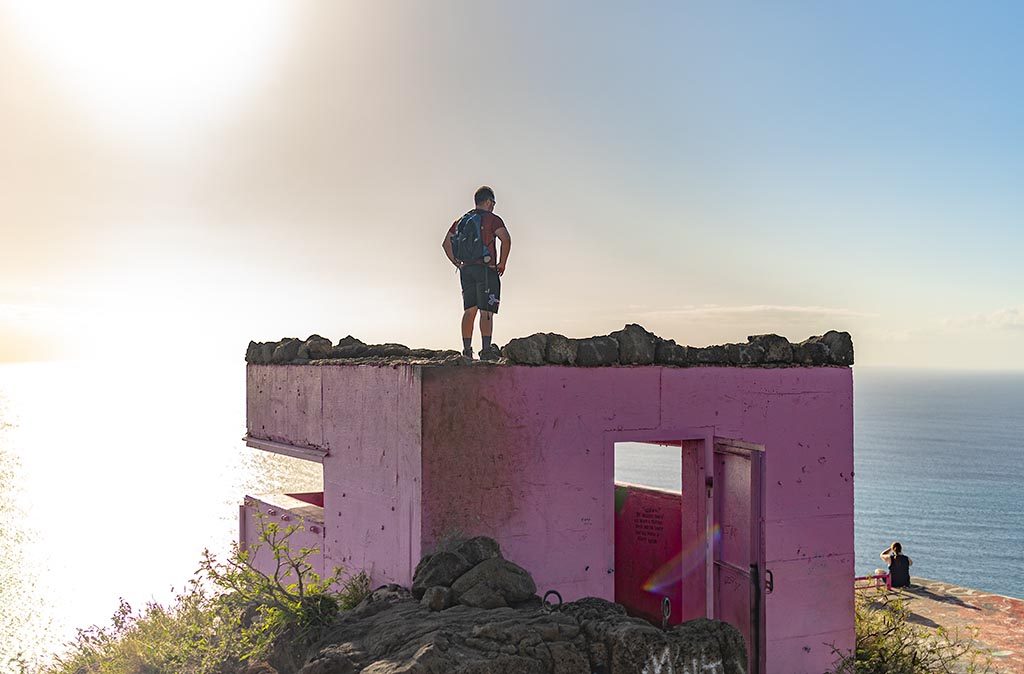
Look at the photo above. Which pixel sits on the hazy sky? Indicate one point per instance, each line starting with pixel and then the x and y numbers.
pixel 183 177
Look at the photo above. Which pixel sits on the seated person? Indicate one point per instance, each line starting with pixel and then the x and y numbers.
pixel 899 565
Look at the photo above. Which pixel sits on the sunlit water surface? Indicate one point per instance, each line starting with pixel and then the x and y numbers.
pixel 113 479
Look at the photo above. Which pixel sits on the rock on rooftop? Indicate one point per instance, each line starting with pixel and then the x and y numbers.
pixel 633 345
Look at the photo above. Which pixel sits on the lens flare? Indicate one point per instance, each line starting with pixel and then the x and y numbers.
pixel 680 566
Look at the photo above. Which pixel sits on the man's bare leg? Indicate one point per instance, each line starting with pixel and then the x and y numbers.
pixel 468 318
pixel 486 324
pixel 486 330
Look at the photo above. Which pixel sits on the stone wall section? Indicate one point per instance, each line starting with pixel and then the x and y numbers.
pixel 633 345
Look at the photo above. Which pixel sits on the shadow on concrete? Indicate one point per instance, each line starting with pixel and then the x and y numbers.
pixel 925 593
pixel 921 620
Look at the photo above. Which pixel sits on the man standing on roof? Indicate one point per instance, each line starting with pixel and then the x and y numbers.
pixel 470 246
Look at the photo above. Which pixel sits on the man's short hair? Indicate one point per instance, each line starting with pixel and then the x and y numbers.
pixel 483 194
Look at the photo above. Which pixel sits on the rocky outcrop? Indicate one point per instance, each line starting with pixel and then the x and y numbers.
pixel 596 352
pixel 392 633
pixel 318 350
pixel 633 345
pixel 636 345
pixel 560 350
pixel 315 347
pixel 530 350
pixel 471 573
pixel 488 620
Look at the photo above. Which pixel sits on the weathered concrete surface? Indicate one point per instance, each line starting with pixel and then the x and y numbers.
pixel 390 632
pixel 999 619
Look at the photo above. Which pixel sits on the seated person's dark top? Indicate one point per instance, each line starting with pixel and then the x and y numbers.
pixel 899 570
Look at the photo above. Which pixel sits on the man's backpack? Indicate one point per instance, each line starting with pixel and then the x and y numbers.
pixel 468 240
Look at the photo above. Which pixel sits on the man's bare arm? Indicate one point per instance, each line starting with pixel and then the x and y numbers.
pixel 506 246
pixel 447 245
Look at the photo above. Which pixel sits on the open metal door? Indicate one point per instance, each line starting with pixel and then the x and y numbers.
pixel 738 489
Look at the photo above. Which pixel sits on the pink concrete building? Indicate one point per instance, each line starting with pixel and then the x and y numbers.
pixel 761 534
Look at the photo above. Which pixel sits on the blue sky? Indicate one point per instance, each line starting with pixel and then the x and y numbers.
pixel 711 170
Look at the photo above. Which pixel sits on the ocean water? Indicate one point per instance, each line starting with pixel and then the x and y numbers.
pixel 115 477
pixel 939 466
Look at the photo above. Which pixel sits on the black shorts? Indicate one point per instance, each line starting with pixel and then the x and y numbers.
pixel 481 288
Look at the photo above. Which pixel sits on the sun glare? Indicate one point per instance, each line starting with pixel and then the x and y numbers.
pixel 153 67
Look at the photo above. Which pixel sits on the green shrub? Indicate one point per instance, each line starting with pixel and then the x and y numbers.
pixel 292 599
pixel 229 614
pixel 888 643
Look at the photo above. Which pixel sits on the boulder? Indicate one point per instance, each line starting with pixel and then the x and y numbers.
pixel 437 598
pixel 252 353
pixel 636 345
pixel 710 355
pixel 667 352
pixel 840 347
pixel 744 354
pixel 315 347
pixel 286 350
pixel 266 352
pixel 777 349
pixel 482 595
pixel 478 549
pixel 349 347
pixel 526 350
pixel 810 352
pixel 560 350
pixel 442 569
pixel 597 351
pixel 507 579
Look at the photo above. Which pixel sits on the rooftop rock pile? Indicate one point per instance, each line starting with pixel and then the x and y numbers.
pixel 633 345
pixel 392 632
pixel 291 350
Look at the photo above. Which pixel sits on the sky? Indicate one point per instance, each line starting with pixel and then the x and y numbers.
pixel 184 177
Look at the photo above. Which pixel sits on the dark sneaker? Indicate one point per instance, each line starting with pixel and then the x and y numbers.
pixel 468 353
pixel 490 353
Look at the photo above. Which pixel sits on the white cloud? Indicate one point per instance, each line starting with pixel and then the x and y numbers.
pixel 748 312
pixel 1010 318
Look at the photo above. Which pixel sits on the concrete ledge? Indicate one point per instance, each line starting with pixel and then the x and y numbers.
pixel 295 451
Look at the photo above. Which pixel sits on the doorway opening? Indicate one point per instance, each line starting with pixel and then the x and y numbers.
pixel 660 550
pixel 689 534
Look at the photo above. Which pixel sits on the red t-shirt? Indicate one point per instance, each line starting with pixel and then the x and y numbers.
pixel 489 224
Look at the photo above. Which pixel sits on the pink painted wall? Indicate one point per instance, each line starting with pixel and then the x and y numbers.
pixel 526 455
pixel 285 512
pixel 368 418
pixel 648 541
pixel 372 471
